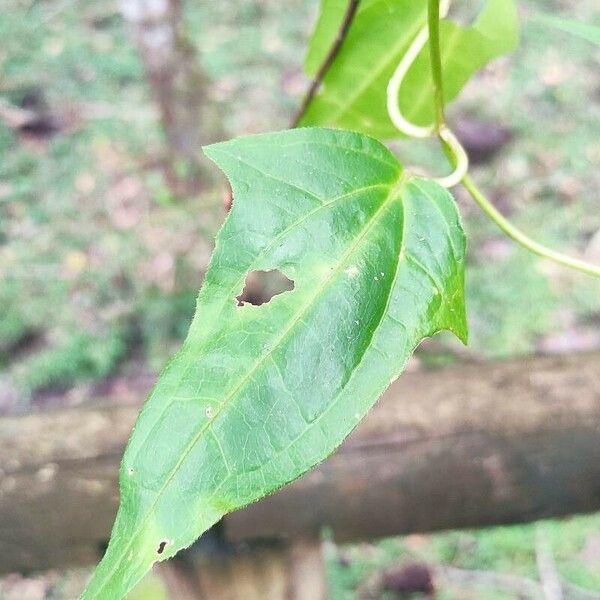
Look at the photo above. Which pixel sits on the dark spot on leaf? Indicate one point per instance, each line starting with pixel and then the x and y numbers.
pixel 161 547
pixel 261 286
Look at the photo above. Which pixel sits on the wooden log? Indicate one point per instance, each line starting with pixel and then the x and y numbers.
pixel 273 571
pixel 460 447
pixel 464 446
pixel 58 485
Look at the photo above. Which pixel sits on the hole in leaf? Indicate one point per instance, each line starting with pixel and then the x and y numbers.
pixel 261 286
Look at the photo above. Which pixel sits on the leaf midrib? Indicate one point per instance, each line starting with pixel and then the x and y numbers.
pixel 258 363
pixel 402 253
pixel 235 288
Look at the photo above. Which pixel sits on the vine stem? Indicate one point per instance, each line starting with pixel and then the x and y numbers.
pixel 458 154
pixel 435 55
pixel 395 82
pixel 521 238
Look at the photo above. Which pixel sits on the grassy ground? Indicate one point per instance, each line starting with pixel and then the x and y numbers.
pixel 574 544
pixel 464 565
pixel 100 264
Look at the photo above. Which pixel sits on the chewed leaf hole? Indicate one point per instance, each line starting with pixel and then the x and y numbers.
pixel 262 286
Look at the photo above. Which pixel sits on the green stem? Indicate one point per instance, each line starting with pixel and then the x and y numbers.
pixel 433 23
pixel 518 236
pixel 514 233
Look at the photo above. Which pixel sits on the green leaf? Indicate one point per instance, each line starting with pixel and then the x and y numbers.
pixel 585 31
pixel 328 24
pixel 258 395
pixel 353 95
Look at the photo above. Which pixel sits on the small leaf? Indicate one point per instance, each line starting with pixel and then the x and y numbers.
pixel 585 31
pixel 353 95
pixel 328 24
pixel 258 395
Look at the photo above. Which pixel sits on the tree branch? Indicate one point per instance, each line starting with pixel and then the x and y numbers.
pixel 315 83
pixel 326 64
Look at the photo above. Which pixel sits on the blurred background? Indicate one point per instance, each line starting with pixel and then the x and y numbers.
pixel 108 212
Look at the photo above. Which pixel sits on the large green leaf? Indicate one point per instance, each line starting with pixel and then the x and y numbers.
pixel 353 94
pixel 257 395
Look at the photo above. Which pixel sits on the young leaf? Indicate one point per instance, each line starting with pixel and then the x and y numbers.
pixel 328 24
pixel 353 94
pixel 258 395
